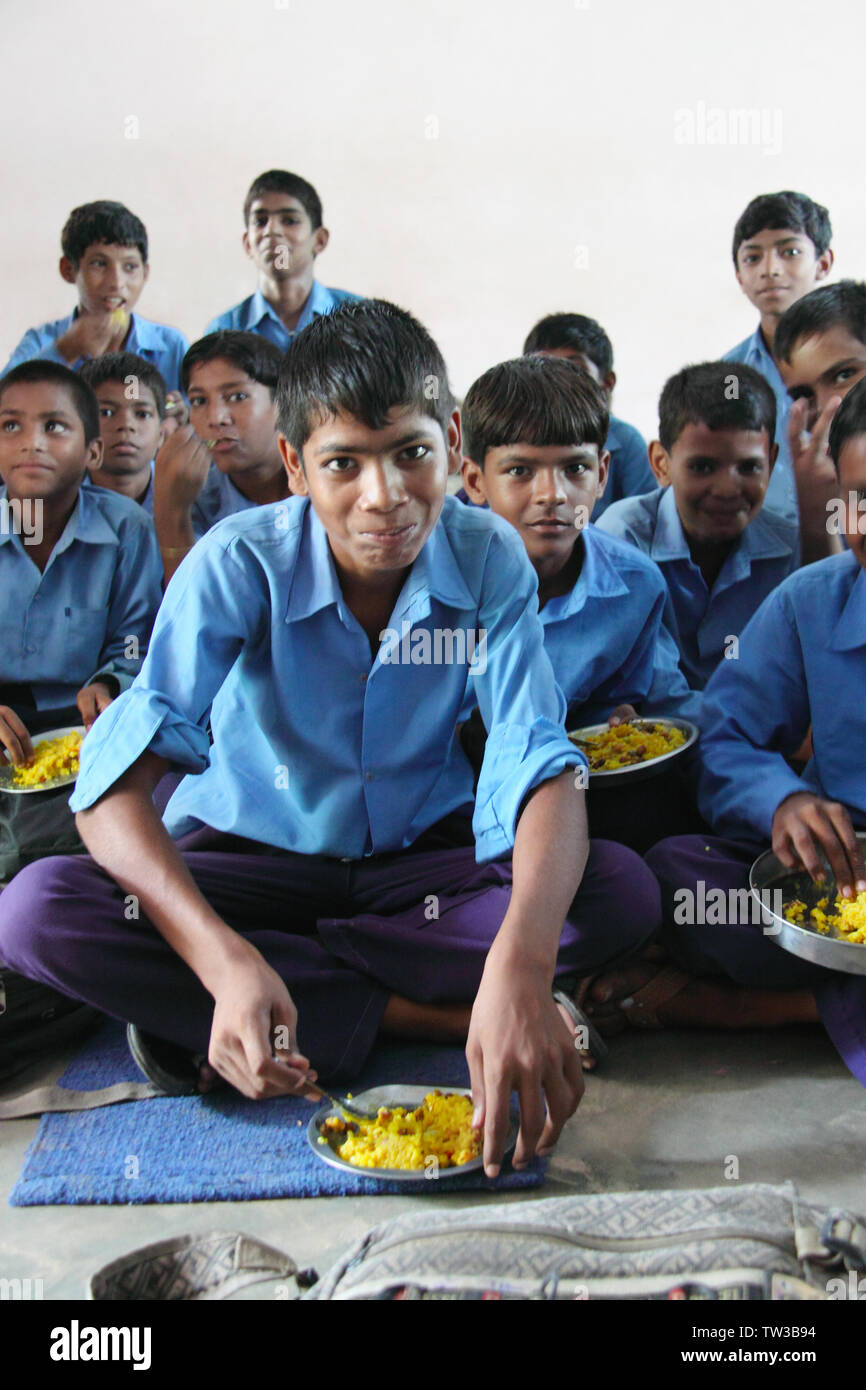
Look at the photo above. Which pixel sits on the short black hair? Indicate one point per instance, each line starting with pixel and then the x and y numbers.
pixel 120 366
pixel 720 395
pixel 842 305
pixel 37 373
pixel 576 331
pixel 849 420
pixel 786 211
pixel 365 358
pixel 536 401
pixel 102 221
pixel 281 181
pixel 257 356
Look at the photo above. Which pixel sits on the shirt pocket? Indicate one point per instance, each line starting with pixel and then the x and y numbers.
pixel 84 634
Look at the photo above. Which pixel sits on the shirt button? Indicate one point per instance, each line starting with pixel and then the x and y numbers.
pixel 363 680
pixel 28 651
pixel 368 776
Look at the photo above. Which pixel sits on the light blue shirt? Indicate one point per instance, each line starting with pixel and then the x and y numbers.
pixel 91 608
pixel 702 621
pixel 155 342
pixel 782 490
pixel 218 499
pixel 630 473
pixel 802 662
pixel 145 502
pixel 255 314
pixel 317 747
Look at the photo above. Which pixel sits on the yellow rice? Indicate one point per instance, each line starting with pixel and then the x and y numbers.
pixel 440 1128
pixel 53 758
pixel 627 744
pixel 847 918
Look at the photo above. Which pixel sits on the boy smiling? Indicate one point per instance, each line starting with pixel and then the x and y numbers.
pixel 720 553
pixel 318 791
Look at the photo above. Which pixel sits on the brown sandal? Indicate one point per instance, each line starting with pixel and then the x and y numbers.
pixel 640 1009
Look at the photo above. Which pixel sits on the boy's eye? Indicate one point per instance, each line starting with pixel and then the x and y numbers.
pixel 701 467
pixel 238 396
pixel 339 465
pixel 144 414
pixel 575 469
pixel 55 426
pixel 415 452
pixel 792 251
pixel 9 426
pixel 751 466
pixel 106 411
pixel 196 402
pixel 845 374
pixel 517 470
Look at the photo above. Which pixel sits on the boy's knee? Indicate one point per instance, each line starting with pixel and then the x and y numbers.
pixel 30 907
pixel 634 910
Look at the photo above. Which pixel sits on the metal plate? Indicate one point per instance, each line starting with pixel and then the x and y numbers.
pixel 7 771
pixel 768 874
pixel 652 766
pixel 392 1096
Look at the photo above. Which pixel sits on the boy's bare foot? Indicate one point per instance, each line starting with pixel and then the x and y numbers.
pixel 648 995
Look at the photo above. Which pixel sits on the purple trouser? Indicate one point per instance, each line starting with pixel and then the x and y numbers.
pixel 343 935
pixel 741 950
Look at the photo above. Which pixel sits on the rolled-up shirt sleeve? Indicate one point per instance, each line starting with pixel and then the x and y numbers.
pixel 521 705
pixel 210 609
pixel 755 715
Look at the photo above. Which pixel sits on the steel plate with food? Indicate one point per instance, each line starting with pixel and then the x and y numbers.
pixel 636 749
pixel 419 1132
pixel 54 763
pixel 811 919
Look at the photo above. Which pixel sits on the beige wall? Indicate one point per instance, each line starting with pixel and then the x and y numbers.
pixel 481 163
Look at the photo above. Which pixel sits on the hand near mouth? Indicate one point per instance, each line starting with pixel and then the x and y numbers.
pixel 93 334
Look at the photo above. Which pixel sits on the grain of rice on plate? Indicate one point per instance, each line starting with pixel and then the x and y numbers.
pixel 440 1127
pixel 52 758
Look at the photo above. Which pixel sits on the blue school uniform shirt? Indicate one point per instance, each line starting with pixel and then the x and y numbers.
pixel 255 314
pixel 606 640
pixel 63 628
pixel 145 502
pixel 630 473
pixel 802 662
pixel 782 489
pixel 318 747
pixel 702 621
pixel 155 342
pixel 218 499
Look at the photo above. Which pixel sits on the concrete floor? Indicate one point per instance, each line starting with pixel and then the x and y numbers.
pixel 669 1110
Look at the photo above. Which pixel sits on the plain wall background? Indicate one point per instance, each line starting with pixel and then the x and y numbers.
pixel 481 162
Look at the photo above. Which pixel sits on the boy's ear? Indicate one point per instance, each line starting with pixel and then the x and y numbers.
pixel 67 270
pixel 609 382
pixel 294 467
pixel 660 462
pixel 473 482
pixel 321 238
pixel 774 454
pixel 94 455
pixel 454 441
pixel 824 264
pixel 603 472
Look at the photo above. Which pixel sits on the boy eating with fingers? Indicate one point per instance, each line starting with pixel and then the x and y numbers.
pixel 802 663
pixel 820 346
pixel 720 550
pixel 105 257
pixel 227 458
pixel 327 889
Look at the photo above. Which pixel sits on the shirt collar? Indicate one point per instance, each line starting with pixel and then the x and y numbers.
pixel 260 309
pixel 86 523
pixel 318 301
pixel 598 578
pixel 315 585
pixel 763 539
pixel 849 630
pixel 669 539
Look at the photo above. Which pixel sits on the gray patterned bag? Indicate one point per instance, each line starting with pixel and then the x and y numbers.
pixel 751 1241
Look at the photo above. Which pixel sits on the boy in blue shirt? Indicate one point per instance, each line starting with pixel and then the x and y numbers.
pixel 781 250
pixel 582 340
pixel 131 396
pixel 227 458
pixel 719 549
pixel 105 258
pixel 802 664
pixel 81 585
pixel 327 845
pixel 534 446
pixel 283 235
pixel 820 345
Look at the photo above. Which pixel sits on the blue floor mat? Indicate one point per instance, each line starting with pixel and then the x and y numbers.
pixel 216 1148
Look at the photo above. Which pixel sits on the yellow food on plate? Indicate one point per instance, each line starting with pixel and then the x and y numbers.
pixel 53 758
pixel 440 1128
pixel 847 918
pixel 624 745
